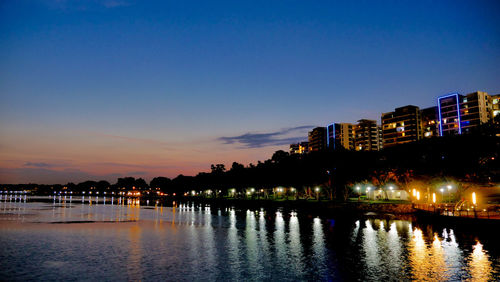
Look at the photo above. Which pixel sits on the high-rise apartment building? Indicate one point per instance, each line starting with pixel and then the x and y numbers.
pixel 430 122
pixel 462 113
pixel 495 105
pixel 317 139
pixel 299 148
pixel 404 125
pixel 340 135
pixel 367 136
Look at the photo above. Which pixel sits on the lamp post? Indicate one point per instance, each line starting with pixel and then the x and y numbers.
pixel 442 197
pixel 317 193
pixel 474 203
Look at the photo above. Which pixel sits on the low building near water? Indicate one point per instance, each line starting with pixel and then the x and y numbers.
pixel 391 194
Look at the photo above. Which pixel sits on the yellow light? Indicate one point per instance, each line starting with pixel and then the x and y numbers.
pixel 418 195
pixel 433 197
pixel 414 192
pixel 474 198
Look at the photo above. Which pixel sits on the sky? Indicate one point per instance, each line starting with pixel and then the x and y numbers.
pixel 108 88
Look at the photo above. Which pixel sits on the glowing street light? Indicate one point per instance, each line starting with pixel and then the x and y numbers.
pixel 474 198
pixel 418 195
pixel 449 194
pixel 434 197
pixel 414 193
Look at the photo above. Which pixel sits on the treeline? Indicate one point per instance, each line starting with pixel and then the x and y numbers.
pixel 467 158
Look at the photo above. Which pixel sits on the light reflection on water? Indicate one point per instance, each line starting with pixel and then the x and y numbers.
pixel 69 238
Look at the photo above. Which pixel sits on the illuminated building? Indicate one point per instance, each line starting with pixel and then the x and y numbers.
pixel 317 139
pixel 340 135
pixel 462 113
pixel 430 122
pixel 299 148
pixel 367 136
pixel 495 105
pixel 401 126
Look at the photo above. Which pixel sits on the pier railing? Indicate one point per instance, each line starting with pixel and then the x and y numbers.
pixel 457 210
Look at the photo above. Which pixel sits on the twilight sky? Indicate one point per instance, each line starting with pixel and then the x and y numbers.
pixel 108 88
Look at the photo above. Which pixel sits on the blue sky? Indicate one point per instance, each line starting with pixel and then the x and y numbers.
pixel 108 88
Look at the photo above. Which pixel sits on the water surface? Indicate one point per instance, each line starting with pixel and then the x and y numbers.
pixel 77 238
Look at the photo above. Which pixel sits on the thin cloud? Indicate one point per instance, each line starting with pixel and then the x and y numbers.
pixel 38 165
pixel 277 138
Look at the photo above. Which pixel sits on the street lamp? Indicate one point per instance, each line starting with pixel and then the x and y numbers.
pixel 434 198
pixel 442 197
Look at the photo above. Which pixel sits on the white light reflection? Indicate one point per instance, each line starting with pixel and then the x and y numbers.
pixel 233 247
pixel 480 267
pixel 371 247
pixel 252 244
pixel 319 247
pixel 295 246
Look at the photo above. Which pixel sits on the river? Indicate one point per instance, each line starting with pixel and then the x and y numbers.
pixel 70 238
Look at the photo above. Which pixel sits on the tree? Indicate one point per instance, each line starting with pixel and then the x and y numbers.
pixel 163 183
pixel 218 168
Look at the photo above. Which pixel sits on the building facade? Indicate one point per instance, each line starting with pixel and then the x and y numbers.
pixel 459 114
pixel 430 122
pixel 367 136
pixel 402 126
pixel 495 106
pixel 340 135
pixel 317 139
pixel 299 148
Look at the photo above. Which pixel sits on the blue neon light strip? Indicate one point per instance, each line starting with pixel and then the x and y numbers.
pixel 333 127
pixel 458 112
pixel 328 135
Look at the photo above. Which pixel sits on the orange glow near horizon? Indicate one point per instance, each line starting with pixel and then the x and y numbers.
pixel 99 157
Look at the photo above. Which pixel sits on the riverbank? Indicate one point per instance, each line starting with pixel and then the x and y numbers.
pixel 313 206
